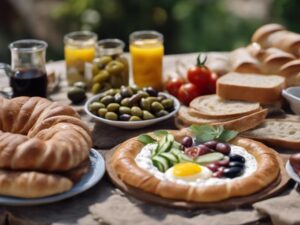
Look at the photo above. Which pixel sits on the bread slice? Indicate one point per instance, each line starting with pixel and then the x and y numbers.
pixel 278 132
pixel 240 124
pixel 212 106
pixel 251 87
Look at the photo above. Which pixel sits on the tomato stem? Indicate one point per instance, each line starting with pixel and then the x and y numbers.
pixel 201 63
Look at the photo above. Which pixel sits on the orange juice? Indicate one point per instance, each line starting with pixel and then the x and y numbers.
pixel 80 47
pixel 147 62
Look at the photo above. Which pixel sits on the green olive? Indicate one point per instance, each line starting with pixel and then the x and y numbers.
pixel 107 99
pixel 147 115
pixel 95 69
pixel 136 111
pixel 134 88
pixel 124 110
pixel 111 92
pixel 113 107
pixel 95 106
pixel 144 94
pixel 103 75
pixel 125 102
pixel 111 116
pixel 96 88
pixel 114 67
pixel 152 99
pixel 161 113
pixel 76 94
pixel 102 112
pixel 135 118
pixel 118 97
pixel 167 103
pixel 145 104
pixel 156 107
pixel 116 81
pixel 102 61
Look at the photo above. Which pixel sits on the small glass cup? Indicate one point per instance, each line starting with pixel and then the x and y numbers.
pixel 110 67
pixel 147 51
pixel 27 72
pixel 80 47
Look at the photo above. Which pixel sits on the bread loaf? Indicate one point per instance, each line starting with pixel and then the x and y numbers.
pixel 241 61
pixel 250 87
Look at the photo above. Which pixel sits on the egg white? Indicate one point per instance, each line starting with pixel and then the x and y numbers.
pixel 204 174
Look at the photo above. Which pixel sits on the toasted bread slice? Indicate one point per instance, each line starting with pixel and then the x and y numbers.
pixel 251 87
pixel 214 107
pixel 278 132
pixel 240 124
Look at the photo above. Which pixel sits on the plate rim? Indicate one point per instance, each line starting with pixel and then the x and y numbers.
pixel 97 174
pixel 290 171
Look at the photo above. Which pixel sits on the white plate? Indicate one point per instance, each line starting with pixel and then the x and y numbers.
pixel 291 172
pixel 131 124
pixel 95 173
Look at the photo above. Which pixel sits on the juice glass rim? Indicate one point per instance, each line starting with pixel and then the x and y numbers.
pixel 81 38
pixel 28 45
pixel 145 34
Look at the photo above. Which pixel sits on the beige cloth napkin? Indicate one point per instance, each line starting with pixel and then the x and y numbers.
pixel 283 210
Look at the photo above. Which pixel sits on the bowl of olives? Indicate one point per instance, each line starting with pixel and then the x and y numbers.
pixel 130 107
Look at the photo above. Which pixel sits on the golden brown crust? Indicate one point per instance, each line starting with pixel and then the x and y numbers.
pixel 263 32
pixel 41 135
pixel 123 162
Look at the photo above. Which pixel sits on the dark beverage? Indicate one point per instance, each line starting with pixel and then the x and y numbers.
pixel 29 82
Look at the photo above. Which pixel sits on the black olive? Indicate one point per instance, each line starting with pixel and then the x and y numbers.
pixel 236 164
pixel 151 91
pixel 232 172
pixel 124 117
pixel 237 158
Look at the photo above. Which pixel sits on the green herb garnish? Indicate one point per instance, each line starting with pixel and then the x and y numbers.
pixel 205 133
pixel 146 139
pixel 160 133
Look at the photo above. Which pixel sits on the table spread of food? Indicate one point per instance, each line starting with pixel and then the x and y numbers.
pixel 236 113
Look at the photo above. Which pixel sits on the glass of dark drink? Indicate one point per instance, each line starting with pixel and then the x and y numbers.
pixel 27 72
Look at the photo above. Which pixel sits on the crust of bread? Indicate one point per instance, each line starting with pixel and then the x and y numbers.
pixel 264 31
pixel 242 61
pixel 123 162
pixel 265 95
pixel 32 184
pixel 205 107
pixel 241 123
pixel 263 133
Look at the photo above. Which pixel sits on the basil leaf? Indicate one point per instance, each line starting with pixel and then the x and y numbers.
pixel 219 130
pixel 227 135
pixel 203 132
pixel 146 139
pixel 160 132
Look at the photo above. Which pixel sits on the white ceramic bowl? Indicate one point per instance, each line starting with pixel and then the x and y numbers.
pixel 131 124
pixel 292 95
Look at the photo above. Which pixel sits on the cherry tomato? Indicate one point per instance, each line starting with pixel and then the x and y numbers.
pixel 173 85
pixel 187 92
pixel 200 75
pixel 212 84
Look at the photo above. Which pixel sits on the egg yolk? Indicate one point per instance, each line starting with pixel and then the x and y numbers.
pixel 186 169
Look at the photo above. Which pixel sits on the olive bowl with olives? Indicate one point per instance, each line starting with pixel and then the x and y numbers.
pixel 131 107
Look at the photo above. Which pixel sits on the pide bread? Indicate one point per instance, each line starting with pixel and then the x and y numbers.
pixel 127 169
pixel 238 123
pixel 212 106
pixel 250 87
pixel 278 132
pixel 41 138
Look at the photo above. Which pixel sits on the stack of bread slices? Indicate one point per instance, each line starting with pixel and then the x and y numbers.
pixel 213 110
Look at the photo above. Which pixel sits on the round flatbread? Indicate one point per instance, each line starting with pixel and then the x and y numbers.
pixel 212 106
pixel 267 170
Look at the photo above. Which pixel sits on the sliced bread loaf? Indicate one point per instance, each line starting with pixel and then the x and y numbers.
pixel 278 132
pixel 239 123
pixel 251 87
pixel 212 106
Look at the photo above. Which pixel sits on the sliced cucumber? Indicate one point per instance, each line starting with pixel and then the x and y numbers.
pixel 185 158
pixel 160 162
pixel 165 143
pixel 155 149
pixel 176 145
pixel 172 158
pixel 209 158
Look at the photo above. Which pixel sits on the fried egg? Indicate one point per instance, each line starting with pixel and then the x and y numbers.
pixel 188 171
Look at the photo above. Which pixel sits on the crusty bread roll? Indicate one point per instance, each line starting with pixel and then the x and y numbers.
pixel 291 71
pixel 251 87
pixel 38 134
pixel 275 35
pixel 242 61
pixel 218 63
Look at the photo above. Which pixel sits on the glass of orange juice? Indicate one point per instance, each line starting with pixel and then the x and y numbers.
pixel 80 47
pixel 147 50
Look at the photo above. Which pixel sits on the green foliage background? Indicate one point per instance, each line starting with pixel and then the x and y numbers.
pixel 187 25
